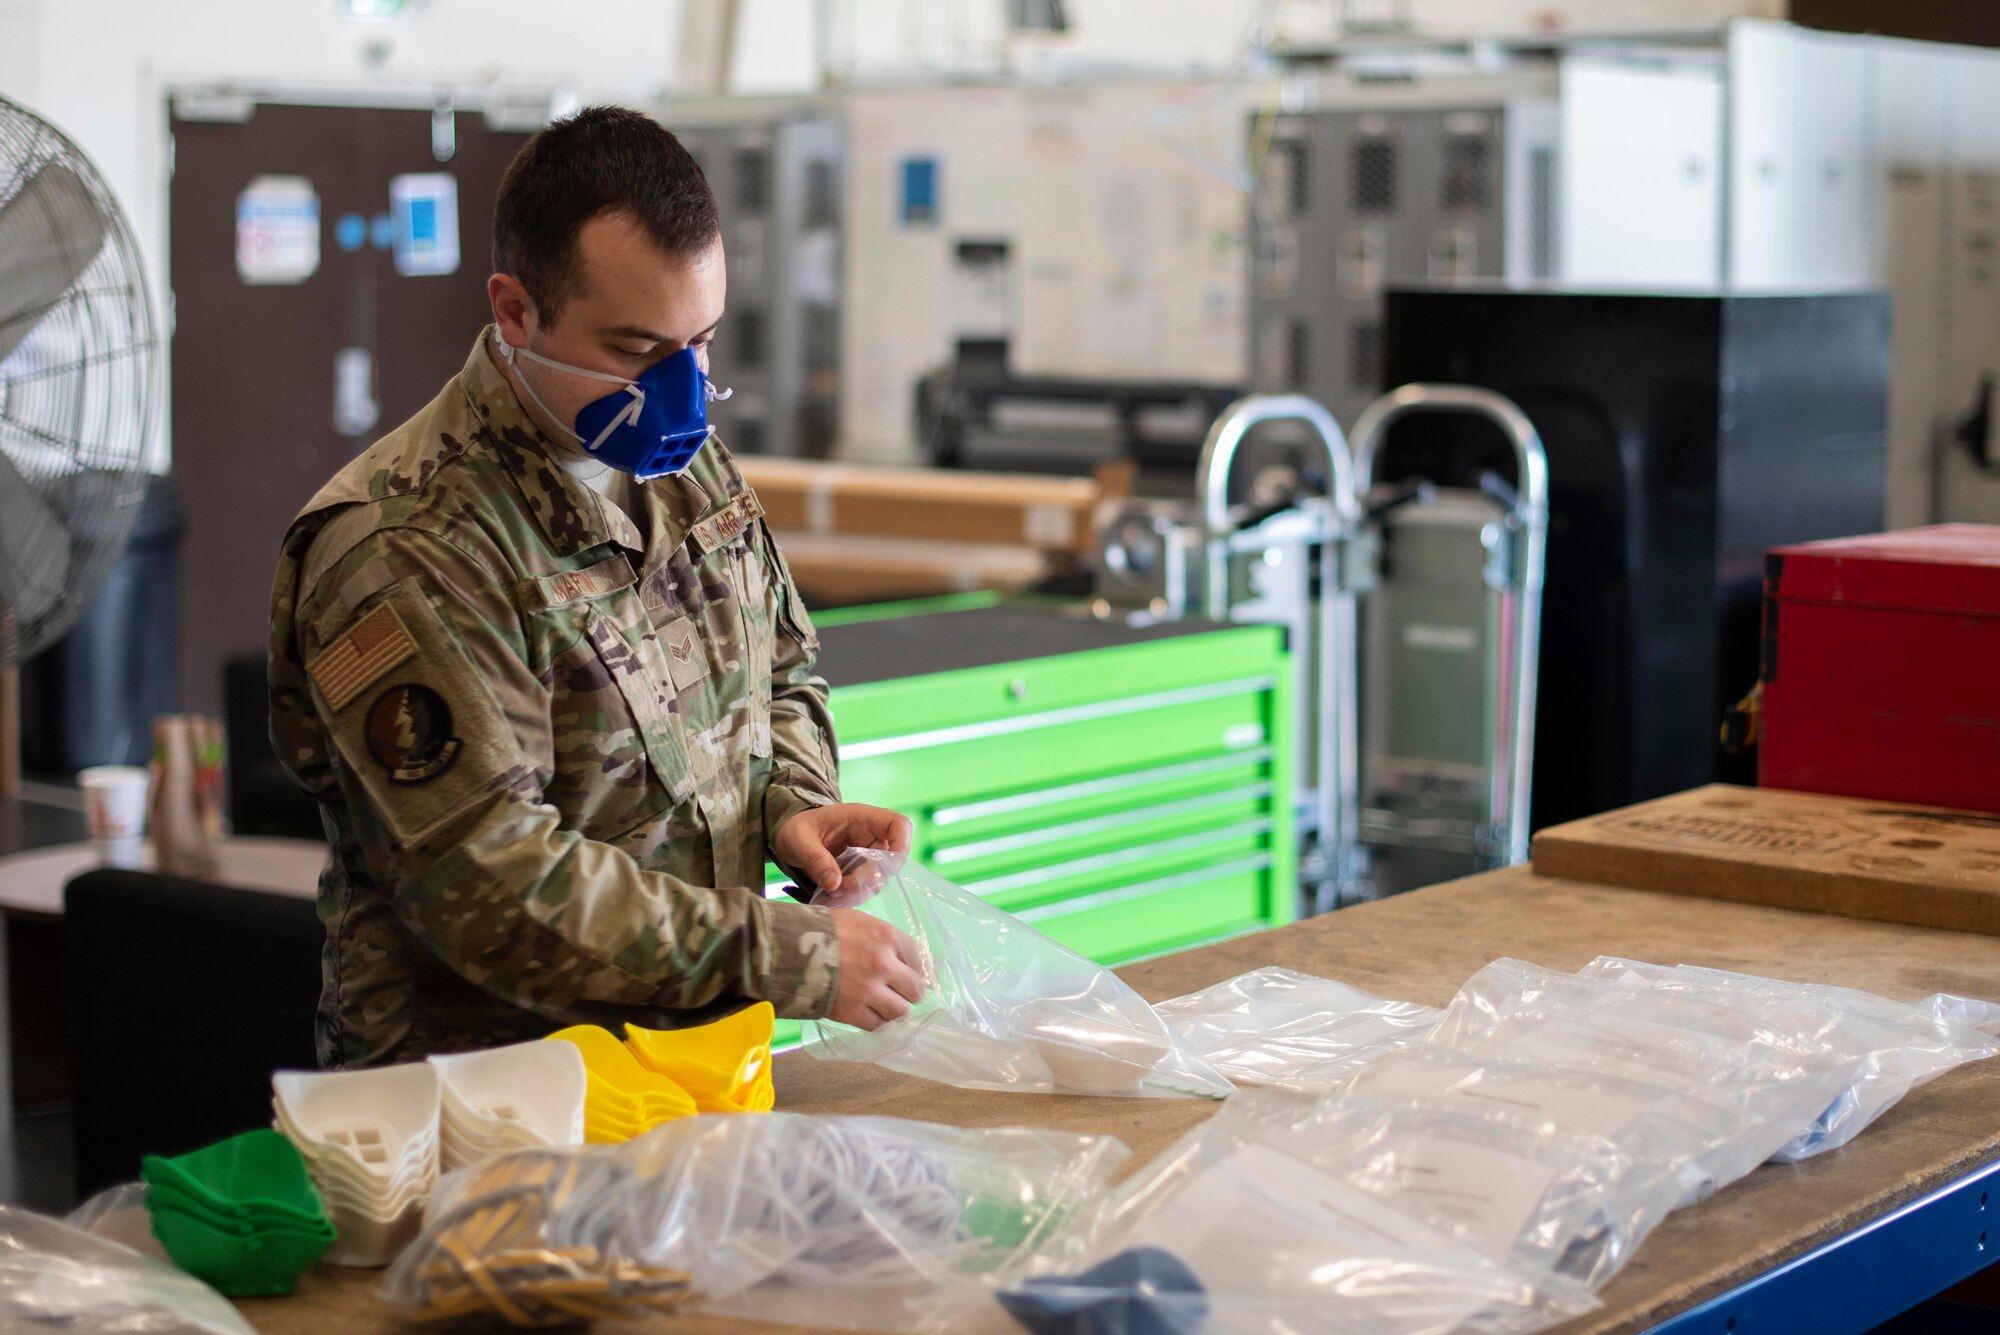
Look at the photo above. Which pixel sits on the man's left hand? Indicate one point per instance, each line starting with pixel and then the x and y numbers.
pixel 809 842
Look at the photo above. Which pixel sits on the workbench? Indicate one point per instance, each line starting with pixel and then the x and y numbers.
pixel 1836 1244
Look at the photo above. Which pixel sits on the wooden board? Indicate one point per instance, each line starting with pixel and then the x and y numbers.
pixel 1049 514
pixel 837 570
pixel 1859 858
pixel 1420 947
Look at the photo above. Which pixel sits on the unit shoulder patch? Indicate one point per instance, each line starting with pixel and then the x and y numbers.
pixel 409 734
pixel 360 655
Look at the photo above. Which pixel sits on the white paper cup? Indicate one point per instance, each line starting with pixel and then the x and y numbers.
pixel 114 800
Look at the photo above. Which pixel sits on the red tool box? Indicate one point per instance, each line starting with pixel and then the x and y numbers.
pixel 1881 671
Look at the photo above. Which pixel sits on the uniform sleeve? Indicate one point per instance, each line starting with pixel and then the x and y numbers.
pixel 805 768
pixel 441 743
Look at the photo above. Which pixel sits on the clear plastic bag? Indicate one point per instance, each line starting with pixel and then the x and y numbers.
pixel 1790 1032
pixel 1895 1046
pixel 1282 1242
pixel 1673 1132
pixel 1544 1197
pixel 119 1215
pixel 862 1221
pixel 1004 1007
pixel 1971 1012
pixel 1277 1026
pixel 1771 1079
pixel 58 1277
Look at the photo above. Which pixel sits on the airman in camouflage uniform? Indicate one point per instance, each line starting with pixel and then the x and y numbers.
pixel 543 740
pixel 557 718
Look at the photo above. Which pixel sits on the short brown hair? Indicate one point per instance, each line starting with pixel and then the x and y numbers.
pixel 600 160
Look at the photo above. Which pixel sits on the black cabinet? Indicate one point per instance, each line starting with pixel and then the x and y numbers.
pixel 1685 434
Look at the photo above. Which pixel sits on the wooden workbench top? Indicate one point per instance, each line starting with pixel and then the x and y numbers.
pixel 1420 947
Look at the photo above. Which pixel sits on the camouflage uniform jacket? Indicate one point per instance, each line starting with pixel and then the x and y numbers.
pixel 548 751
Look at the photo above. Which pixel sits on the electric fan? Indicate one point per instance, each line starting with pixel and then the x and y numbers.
pixel 79 383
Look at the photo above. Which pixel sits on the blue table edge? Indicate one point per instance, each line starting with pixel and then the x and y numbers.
pixel 1860 1279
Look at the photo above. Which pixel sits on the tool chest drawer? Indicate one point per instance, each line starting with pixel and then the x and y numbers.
pixel 1126 799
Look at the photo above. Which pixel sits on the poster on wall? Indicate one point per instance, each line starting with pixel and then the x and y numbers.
pixel 277 230
pixel 424 206
pixel 917 203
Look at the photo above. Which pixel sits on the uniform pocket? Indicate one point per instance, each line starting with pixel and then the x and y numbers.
pixel 790 607
pixel 753 584
pixel 608 673
pixel 623 638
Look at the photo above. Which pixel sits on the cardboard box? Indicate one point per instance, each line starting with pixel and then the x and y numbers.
pixel 836 571
pixel 1048 514
pixel 1887 861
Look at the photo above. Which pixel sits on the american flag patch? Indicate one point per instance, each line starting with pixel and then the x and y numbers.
pixel 373 646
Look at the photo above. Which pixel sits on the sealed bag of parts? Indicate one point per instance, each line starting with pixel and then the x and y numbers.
pixel 57 1277
pixel 1233 1232
pixel 1277 1026
pixel 1537 1194
pixel 1671 1130
pixel 1894 1045
pixel 1004 1007
pixel 870 1222
pixel 1773 1081
pixel 1680 1023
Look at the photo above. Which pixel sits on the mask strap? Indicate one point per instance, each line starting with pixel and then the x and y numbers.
pixel 510 352
pixel 630 413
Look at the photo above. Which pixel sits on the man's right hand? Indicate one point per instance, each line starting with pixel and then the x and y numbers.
pixel 881 971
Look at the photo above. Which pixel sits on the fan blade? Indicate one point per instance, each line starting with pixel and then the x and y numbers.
pixel 34 551
pixel 49 234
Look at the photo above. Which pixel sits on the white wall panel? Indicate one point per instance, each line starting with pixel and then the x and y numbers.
pixel 1640 175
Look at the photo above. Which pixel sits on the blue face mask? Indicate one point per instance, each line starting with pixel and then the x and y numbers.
pixel 650 427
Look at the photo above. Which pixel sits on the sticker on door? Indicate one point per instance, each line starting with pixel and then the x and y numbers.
pixel 277 230
pixel 425 207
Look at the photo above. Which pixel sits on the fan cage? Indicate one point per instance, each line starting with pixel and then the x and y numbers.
pixel 79 400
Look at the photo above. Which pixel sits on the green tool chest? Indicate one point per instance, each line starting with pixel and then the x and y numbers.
pixel 1127 791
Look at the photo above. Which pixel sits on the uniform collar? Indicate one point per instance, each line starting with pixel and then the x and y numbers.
pixel 571 515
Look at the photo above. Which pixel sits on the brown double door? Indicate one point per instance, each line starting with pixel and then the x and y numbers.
pixel 260 419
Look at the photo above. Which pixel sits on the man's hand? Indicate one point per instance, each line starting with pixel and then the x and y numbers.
pixel 880 971
pixel 809 841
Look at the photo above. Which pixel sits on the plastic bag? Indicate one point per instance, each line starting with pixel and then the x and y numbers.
pixel 861 1221
pixel 1654 1124
pixel 119 1214
pixel 1790 1032
pixel 1280 1241
pixel 1947 1008
pixel 1004 1007
pixel 1277 1026
pixel 1546 1198
pixel 1895 1046
pixel 58 1277
pixel 1774 1083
